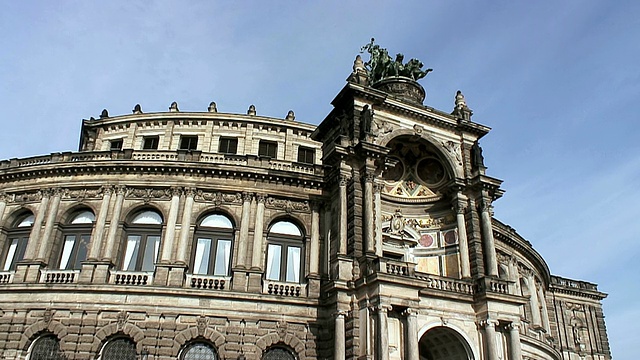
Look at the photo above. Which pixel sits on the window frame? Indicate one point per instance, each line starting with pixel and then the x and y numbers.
pixel 215 235
pixel 185 350
pixel 264 147
pixel 21 235
pixel 228 140
pixel 116 144
pixel 110 343
pixel 148 142
pixel 144 232
pixel 40 342
pixel 191 146
pixel 286 242
pixel 308 152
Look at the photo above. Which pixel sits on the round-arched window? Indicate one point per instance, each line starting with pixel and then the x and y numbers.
pixel 46 348
pixel 142 241
pixel 119 349
pixel 278 353
pixel 199 351
pixel 17 240
pixel 285 252
pixel 77 234
pixel 212 245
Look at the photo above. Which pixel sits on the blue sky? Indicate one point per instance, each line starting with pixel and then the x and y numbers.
pixel 557 81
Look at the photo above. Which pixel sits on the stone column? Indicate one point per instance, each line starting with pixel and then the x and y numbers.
pixel 339 346
pixel 383 332
pixel 544 311
pixel 98 231
pixel 342 250
pixel 491 345
pixel 465 265
pixel 533 301
pixel 185 226
pixel 314 258
pixel 46 240
pixel 113 224
pixel 515 347
pixel 34 236
pixel 258 229
pixel 170 232
pixel 367 209
pixel 487 237
pixel 413 351
pixel 378 218
pixel 244 230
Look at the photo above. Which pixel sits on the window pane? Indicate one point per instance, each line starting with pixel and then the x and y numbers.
pixel 267 148
pixel 10 255
pixel 85 217
pixel 119 349
pixel 219 221
pixel 201 261
pixel 26 222
pixel 188 142
pixel 228 146
pixel 306 155
pixel 131 253
pixel 81 253
pixel 150 143
pixel 69 241
pixel 286 228
pixel 147 217
pixel 273 261
pixel 116 144
pixel 199 351
pixel 150 253
pixel 223 254
pixel 293 264
pixel 46 348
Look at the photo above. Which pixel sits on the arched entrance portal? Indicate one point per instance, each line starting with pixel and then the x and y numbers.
pixel 441 343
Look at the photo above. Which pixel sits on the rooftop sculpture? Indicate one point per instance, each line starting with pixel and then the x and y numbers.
pixel 380 65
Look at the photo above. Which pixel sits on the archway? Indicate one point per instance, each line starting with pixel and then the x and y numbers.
pixel 441 343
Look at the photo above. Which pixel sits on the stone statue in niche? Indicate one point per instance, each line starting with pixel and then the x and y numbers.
pixel 366 120
pixel 476 156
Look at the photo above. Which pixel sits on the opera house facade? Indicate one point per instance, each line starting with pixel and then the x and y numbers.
pixel 209 235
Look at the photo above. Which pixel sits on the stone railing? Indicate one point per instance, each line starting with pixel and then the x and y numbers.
pixel 134 278
pixel 6 277
pixel 394 267
pixel 284 289
pixel 492 285
pixel 59 276
pixel 165 155
pixel 208 282
pixel 447 284
pixel 573 284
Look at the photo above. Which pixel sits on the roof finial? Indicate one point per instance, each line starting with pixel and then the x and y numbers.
pixel 212 107
pixel 104 114
pixel 461 110
pixel 358 64
pixel 252 110
pixel 137 109
pixel 174 107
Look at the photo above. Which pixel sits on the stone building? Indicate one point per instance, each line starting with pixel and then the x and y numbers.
pixel 208 235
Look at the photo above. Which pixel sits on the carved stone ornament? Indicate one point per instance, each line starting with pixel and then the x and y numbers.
pixel 201 323
pixel 218 198
pixel 397 222
pixel 122 319
pixel 27 197
pixel 287 205
pixel 81 194
pixel 148 194
pixel 47 316
pixel 282 327
pixel 454 151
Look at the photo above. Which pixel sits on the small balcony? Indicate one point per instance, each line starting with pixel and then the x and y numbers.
pixel 59 276
pixel 208 282
pixel 285 289
pixel 131 278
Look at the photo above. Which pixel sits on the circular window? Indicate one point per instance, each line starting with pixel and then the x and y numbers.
pixel 430 171
pixel 395 171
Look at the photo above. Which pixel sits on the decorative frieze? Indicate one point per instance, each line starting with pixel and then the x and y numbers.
pixel 287 205
pixel 218 198
pixel 148 194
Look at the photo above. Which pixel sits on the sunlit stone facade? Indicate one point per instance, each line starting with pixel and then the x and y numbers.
pixel 205 235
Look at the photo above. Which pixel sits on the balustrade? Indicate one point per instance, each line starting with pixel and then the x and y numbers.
pixel 59 276
pixel 131 278
pixel 283 289
pixel 206 282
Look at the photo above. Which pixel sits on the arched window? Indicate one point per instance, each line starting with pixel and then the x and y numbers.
pixel 17 241
pixel 143 241
pixel 284 252
pixel 278 353
pixel 212 246
pixel 199 351
pixel 46 348
pixel 77 233
pixel 119 349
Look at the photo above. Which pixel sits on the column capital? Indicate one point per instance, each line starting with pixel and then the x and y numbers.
pixel 44 193
pixel 340 314
pixel 247 196
pixel 488 324
pixel 343 180
pixel 261 198
pixel 410 312
pixel 381 308
pixel 121 190
pixel 513 327
pixel 106 189
pixel 190 191
pixel 176 191
pixel 3 196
